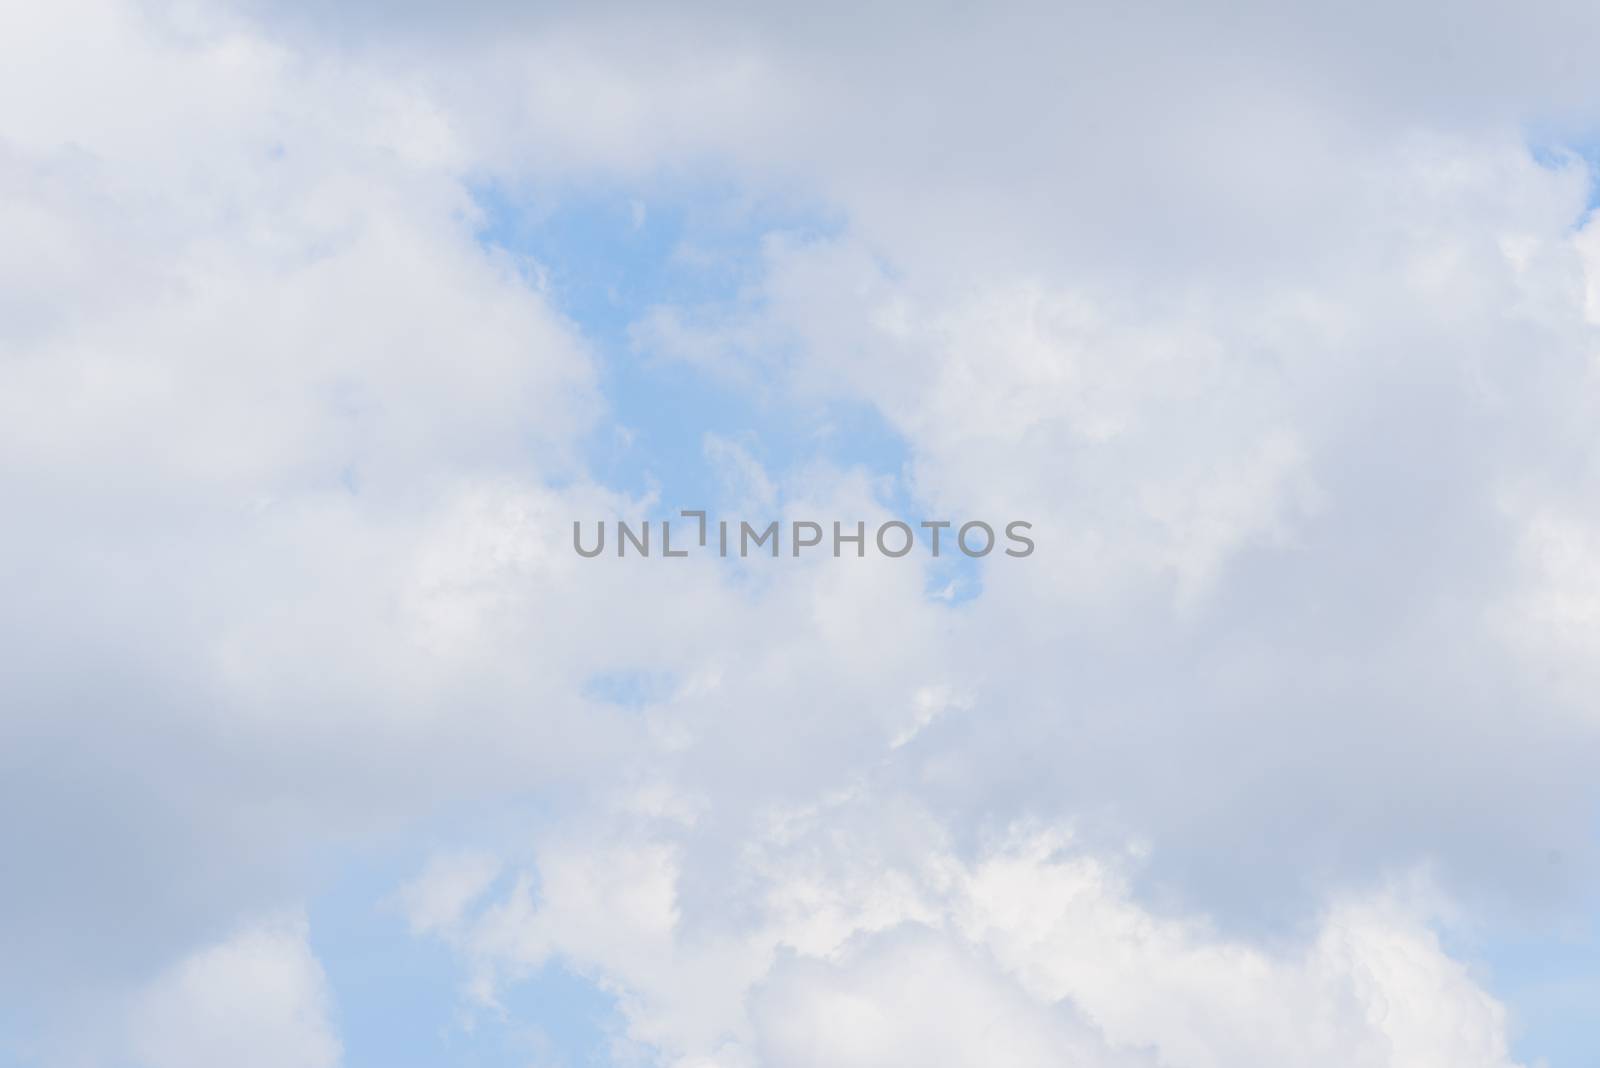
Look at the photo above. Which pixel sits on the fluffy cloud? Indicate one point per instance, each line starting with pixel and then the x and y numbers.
pixel 861 937
pixel 261 376
pixel 1290 360
pixel 257 999
pixel 1311 536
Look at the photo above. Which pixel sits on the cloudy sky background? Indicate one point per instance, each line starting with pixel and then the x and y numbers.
pixel 319 746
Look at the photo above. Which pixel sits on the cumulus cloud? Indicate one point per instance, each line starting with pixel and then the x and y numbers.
pixel 1288 358
pixel 863 937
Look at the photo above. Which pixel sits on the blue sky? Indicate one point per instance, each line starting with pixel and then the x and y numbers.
pixel 320 747
pixel 400 1000
pixel 607 259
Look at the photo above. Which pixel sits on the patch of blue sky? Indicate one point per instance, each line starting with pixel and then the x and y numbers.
pixel 399 999
pixel 1548 982
pixel 1551 148
pixel 607 256
pixel 631 688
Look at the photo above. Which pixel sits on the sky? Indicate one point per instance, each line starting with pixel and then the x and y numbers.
pixel 319 329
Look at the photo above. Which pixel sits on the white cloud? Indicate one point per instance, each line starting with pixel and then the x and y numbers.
pixel 268 416
pixel 861 937
pixel 1289 359
pixel 435 901
pixel 257 1000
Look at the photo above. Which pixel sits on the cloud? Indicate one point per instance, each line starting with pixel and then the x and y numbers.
pixel 266 406
pixel 1289 359
pixel 1277 610
pixel 861 936
pixel 257 999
